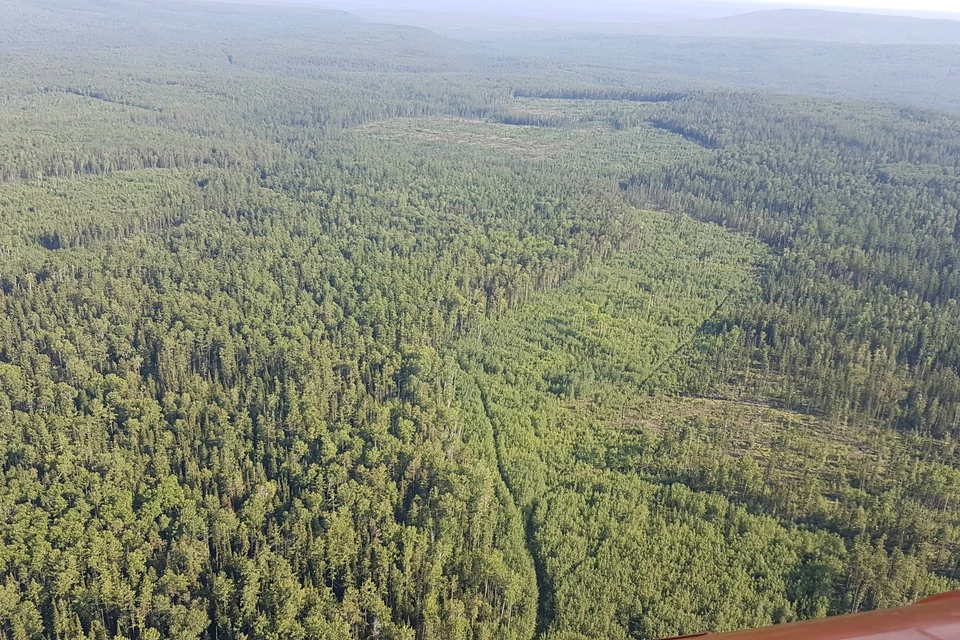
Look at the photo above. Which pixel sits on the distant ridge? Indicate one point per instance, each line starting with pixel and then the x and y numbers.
pixel 824 26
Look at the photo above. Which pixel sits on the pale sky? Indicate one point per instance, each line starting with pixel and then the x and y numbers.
pixel 924 8
pixel 946 6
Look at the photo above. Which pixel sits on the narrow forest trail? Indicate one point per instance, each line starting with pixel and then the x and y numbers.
pixel 685 343
pixel 545 593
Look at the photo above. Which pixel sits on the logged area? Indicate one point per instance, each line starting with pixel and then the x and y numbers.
pixel 318 328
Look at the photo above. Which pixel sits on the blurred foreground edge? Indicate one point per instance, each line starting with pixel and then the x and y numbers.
pixel 935 618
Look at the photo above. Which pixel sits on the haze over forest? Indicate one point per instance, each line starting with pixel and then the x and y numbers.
pixel 348 321
pixel 639 10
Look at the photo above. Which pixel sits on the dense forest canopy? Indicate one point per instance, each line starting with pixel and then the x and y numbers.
pixel 315 327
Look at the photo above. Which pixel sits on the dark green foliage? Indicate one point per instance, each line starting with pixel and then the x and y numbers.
pixel 859 313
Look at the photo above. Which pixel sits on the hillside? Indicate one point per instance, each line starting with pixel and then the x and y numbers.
pixel 914 75
pixel 74 25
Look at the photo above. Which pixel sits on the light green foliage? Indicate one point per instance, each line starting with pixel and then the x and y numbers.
pixel 643 509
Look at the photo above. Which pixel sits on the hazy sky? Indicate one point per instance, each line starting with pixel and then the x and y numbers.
pixel 695 8
pixel 941 6
pixel 913 5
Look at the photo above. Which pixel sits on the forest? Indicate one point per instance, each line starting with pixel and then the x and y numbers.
pixel 313 327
